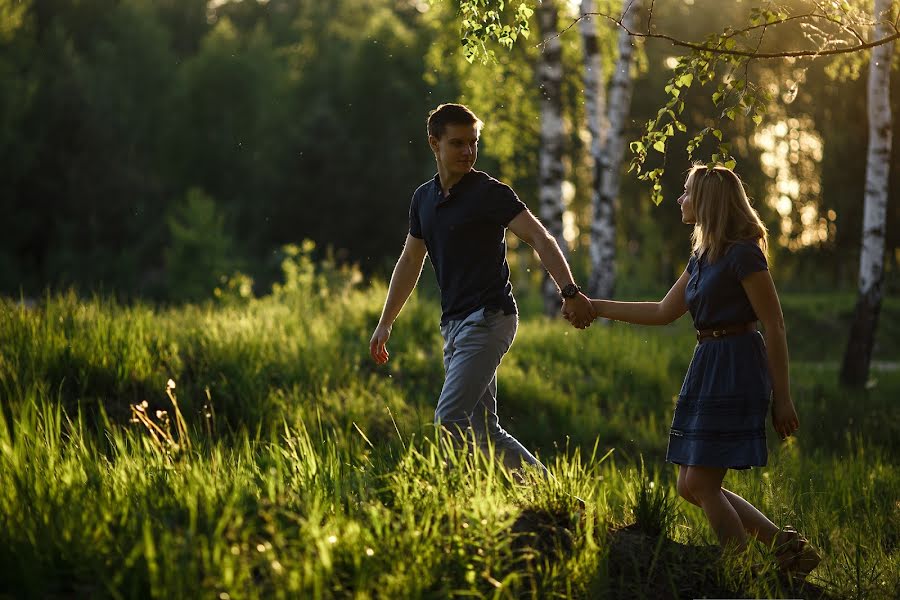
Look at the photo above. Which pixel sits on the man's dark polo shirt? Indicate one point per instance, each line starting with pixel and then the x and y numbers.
pixel 465 234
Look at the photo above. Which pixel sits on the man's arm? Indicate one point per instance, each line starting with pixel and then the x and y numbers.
pixel 578 309
pixel 403 281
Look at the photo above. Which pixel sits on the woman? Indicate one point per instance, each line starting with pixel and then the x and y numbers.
pixel 720 416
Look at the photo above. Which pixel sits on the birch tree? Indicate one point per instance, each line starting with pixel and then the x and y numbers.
pixel 857 358
pixel 828 30
pixel 550 165
pixel 608 149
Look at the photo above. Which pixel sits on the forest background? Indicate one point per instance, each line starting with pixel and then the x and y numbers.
pixel 157 149
pixel 202 202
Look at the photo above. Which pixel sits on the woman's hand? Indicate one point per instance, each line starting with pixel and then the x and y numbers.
pixel 784 418
pixel 579 311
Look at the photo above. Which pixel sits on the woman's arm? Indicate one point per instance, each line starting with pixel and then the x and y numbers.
pixel 647 313
pixel 761 291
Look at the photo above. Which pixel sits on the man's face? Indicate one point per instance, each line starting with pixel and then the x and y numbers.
pixel 457 149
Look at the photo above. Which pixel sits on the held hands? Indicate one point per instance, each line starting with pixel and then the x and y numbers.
pixel 377 344
pixel 784 418
pixel 579 311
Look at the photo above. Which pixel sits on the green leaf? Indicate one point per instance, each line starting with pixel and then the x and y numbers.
pixel 757 119
pixel 685 80
pixel 717 133
pixel 730 164
pixel 660 146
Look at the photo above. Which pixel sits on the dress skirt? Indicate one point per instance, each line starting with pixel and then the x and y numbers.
pixel 720 417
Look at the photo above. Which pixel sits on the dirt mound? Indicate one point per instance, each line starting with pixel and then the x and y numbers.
pixel 642 566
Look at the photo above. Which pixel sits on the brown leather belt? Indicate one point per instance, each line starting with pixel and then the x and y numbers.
pixel 704 335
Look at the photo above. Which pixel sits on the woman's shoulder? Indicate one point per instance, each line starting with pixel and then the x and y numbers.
pixel 746 256
pixel 692 263
pixel 744 247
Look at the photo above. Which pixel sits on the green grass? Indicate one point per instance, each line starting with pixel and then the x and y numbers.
pixel 303 470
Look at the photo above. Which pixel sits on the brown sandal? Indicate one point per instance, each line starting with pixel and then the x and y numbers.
pixel 795 555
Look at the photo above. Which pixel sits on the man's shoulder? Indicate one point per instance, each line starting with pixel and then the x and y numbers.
pixel 426 185
pixel 424 189
pixel 491 183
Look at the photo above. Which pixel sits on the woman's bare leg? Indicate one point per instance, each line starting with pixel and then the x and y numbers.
pixel 753 521
pixel 705 485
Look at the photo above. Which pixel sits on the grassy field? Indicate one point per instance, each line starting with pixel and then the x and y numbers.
pixel 280 462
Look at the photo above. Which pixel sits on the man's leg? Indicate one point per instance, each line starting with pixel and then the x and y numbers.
pixel 473 349
pixel 486 424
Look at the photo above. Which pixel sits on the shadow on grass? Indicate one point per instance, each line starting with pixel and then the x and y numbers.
pixel 644 566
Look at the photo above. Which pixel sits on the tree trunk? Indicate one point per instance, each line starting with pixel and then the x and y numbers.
pixel 550 161
pixel 608 164
pixel 857 358
pixel 597 121
pixel 594 83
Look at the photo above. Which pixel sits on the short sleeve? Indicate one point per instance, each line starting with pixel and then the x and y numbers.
pixel 746 258
pixel 415 223
pixel 502 204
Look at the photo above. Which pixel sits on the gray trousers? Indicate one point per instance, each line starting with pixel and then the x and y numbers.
pixel 473 349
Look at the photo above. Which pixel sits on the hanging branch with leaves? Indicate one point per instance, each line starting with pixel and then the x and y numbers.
pixel 829 28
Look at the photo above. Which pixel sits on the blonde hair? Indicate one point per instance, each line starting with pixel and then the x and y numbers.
pixel 723 212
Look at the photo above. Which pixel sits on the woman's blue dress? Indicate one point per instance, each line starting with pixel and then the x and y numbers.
pixel 720 417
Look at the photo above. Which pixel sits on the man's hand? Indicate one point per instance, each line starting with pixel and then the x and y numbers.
pixel 377 344
pixel 579 311
pixel 784 418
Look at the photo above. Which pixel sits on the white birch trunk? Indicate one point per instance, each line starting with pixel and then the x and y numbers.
pixel 594 82
pixel 855 369
pixel 550 170
pixel 609 164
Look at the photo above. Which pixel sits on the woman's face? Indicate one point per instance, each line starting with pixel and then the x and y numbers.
pixel 684 201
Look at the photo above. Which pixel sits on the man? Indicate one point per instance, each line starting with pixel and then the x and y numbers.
pixel 460 218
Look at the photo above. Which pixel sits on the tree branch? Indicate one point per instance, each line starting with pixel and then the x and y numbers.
pixel 747 53
pixel 840 24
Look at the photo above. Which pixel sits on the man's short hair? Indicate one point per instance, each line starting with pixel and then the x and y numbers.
pixel 450 114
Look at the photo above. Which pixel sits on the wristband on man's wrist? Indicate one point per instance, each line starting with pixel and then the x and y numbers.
pixel 569 291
